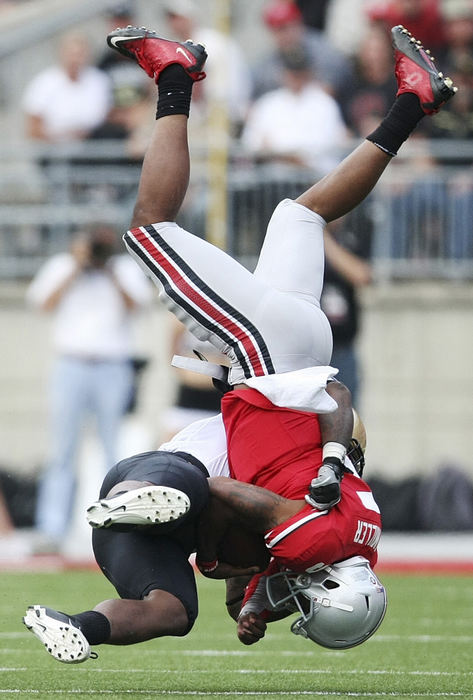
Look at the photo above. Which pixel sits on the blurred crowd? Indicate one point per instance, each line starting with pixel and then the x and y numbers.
pixel 328 61
pixel 325 77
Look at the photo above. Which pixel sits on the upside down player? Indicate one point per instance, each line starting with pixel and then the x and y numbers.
pixel 272 335
pixel 268 323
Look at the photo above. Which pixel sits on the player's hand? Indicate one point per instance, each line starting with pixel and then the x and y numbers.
pixel 324 490
pixel 250 628
pixel 222 570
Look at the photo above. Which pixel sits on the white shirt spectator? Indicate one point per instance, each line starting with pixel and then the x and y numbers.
pixel 93 295
pixel 82 327
pixel 228 75
pixel 228 78
pixel 305 124
pixel 68 107
pixel 69 99
pixel 346 24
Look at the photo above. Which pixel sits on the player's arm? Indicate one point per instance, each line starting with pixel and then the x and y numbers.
pixel 336 430
pixel 338 426
pixel 236 503
pixel 214 522
pixel 256 610
pixel 235 592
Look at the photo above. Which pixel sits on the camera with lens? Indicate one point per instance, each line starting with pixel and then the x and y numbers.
pixel 99 253
pixel 102 246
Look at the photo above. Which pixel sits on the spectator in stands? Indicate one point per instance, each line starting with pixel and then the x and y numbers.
pixel 128 124
pixel 346 23
pixel 66 101
pixel 347 269
pixel 94 295
pixel 455 198
pixel 314 13
pixel 457 124
pixel 457 121
pixel 289 35
pixel 418 211
pixel 228 75
pixel 373 85
pixel 126 78
pixel 128 120
pixel 6 522
pixel 6 5
pixel 298 123
pixel 458 28
pixel 422 18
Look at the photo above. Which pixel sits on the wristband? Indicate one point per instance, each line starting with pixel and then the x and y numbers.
pixel 334 449
pixel 206 567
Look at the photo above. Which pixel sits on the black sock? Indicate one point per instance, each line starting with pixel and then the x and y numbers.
pixel 174 90
pixel 398 124
pixel 94 626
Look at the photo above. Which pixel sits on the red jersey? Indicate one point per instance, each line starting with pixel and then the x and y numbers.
pixel 277 448
pixel 280 449
pixel 313 537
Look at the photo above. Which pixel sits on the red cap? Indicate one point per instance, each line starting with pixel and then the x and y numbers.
pixel 281 12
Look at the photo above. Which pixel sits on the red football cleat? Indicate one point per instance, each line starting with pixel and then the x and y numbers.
pixel 416 72
pixel 154 54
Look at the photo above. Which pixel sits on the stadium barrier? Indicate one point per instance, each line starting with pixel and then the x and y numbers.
pixel 419 217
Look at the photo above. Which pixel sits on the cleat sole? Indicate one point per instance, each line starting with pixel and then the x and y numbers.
pixel 150 505
pixel 61 639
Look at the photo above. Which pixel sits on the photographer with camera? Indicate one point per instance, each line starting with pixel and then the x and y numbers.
pixel 94 295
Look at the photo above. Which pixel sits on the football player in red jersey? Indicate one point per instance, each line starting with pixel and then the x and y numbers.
pixel 268 323
pixel 278 343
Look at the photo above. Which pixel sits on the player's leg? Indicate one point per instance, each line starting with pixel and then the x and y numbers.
pixel 152 489
pixel 158 614
pixel 69 637
pixel 209 291
pixel 292 257
pixel 150 570
pixel 175 67
pixel 215 297
pixel 422 90
pixel 154 580
pixel 158 598
pixel 134 504
pixel 347 186
pixel 165 170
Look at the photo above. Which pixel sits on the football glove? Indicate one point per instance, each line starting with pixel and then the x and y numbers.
pixel 324 490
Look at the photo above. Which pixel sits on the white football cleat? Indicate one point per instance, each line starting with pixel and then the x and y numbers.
pixel 149 505
pixel 60 636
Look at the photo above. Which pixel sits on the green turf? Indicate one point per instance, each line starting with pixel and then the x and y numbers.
pixel 424 649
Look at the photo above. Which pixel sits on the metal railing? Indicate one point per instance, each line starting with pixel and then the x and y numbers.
pixel 420 220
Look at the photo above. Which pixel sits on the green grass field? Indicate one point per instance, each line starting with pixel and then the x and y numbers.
pixel 424 649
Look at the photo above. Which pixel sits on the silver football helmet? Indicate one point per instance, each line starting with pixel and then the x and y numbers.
pixel 340 605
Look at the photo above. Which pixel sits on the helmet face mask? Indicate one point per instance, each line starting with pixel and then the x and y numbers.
pixel 340 606
pixel 357 447
pixel 356 456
